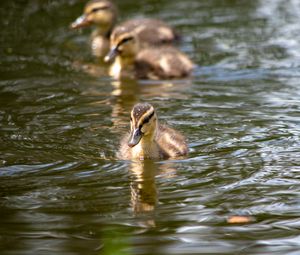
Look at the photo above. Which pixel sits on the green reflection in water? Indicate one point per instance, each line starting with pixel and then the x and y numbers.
pixel 115 241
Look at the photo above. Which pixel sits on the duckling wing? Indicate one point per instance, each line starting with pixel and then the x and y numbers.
pixel 162 63
pixel 171 142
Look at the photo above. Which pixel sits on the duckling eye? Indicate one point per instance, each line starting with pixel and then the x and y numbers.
pixel 126 39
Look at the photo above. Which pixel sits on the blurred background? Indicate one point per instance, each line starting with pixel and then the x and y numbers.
pixel 62 189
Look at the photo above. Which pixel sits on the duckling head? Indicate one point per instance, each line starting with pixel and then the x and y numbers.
pixel 123 43
pixel 101 13
pixel 143 123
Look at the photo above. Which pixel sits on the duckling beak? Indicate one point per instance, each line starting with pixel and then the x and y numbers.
pixel 135 137
pixel 114 51
pixel 81 21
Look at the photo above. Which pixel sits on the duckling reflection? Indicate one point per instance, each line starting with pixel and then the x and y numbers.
pixel 144 192
pixel 150 140
pixel 143 189
pixel 125 95
pixel 103 15
pixel 130 59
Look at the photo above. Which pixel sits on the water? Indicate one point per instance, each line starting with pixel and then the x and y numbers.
pixel 63 191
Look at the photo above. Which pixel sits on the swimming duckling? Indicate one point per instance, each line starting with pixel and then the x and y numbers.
pixel 150 140
pixel 131 60
pixel 103 14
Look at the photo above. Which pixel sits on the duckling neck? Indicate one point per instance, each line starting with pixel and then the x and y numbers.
pixel 103 31
pixel 100 41
pixel 147 148
pixel 122 66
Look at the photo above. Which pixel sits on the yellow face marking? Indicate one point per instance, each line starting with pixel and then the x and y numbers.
pixel 118 40
pixel 144 116
pixel 122 33
pixel 96 6
pixel 139 122
pixel 132 119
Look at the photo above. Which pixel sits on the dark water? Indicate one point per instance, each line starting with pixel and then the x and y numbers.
pixel 62 191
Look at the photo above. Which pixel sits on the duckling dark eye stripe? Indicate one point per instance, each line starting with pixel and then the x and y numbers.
pixel 125 40
pixel 99 8
pixel 147 119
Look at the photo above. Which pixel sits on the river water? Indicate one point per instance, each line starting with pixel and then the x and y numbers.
pixel 62 189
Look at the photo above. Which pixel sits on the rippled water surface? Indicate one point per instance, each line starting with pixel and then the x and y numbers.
pixel 63 191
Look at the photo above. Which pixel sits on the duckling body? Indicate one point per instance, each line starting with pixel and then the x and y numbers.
pixel 130 59
pixel 162 63
pixel 150 140
pixel 103 15
pixel 153 63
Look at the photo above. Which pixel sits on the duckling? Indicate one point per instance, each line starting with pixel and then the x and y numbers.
pixel 150 140
pixel 130 59
pixel 103 14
